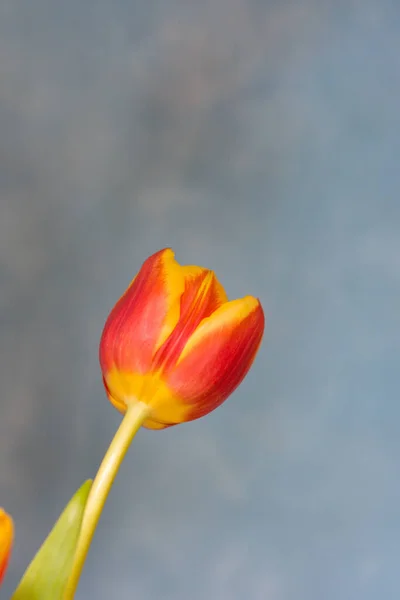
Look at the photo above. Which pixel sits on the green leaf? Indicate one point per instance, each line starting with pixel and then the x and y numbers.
pixel 47 575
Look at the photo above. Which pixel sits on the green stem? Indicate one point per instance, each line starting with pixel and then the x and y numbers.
pixel 134 417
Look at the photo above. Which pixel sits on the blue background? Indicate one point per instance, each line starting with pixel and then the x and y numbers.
pixel 257 138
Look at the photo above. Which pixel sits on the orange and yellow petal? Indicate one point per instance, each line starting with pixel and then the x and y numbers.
pixel 203 295
pixel 217 356
pixel 6 541
pixel 144 316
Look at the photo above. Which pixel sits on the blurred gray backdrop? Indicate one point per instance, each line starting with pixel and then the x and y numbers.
pixel 257 138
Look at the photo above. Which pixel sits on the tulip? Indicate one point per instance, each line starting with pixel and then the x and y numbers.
pixel 174 342
pixel 173 349
pixel 6 541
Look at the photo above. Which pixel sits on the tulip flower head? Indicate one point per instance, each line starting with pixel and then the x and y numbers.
pixel 6 541
pixel 174 342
